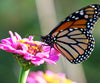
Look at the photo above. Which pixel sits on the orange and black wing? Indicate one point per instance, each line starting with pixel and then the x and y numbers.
pixel 73 36
pixel 75 45
pixel 84 18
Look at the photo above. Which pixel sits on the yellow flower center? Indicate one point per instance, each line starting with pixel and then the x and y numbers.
pixel 56 79
pixel 33 47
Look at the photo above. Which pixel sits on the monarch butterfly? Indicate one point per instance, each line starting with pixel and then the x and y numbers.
pixel 73 36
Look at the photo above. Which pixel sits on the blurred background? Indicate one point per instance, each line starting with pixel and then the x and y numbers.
pixel 24 17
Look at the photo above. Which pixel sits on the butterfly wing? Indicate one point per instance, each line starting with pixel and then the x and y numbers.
pixel 84 18
pixel 75 45
pixel 73 36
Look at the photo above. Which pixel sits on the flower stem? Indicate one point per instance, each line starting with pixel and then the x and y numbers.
pixel 23 75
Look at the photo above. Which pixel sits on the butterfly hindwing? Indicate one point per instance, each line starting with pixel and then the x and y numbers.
pixel 76 45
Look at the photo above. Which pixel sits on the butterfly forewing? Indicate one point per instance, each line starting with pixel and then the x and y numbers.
pixel 73 36
pixel 83 18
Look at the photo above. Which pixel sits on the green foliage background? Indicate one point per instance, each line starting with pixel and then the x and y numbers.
pixel 21 16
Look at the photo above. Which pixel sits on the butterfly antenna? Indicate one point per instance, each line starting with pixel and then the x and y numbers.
pixel 32 35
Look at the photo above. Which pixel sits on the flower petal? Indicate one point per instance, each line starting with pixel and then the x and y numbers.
pixel 18 37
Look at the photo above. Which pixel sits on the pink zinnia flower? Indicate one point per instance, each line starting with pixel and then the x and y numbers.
pixel 33 51
pixel 48 77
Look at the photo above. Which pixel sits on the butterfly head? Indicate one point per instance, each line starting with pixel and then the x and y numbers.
pixel 48 39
